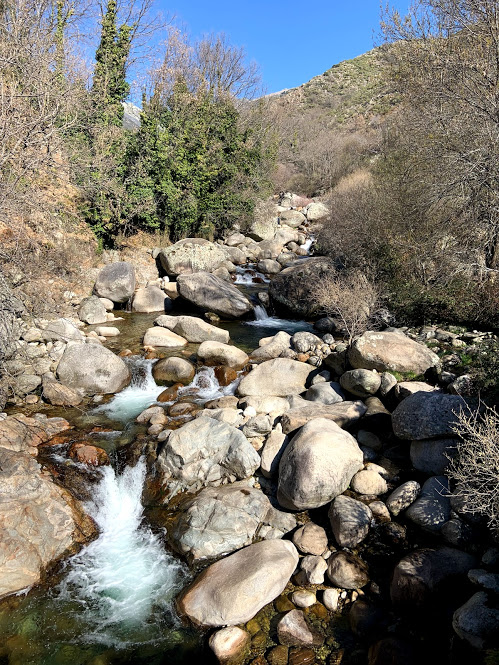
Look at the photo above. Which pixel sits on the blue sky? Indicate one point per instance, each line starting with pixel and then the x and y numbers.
pixel 291 41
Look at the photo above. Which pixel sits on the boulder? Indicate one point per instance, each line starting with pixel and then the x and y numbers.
pixel 116 281
pixel 432 456
pixel 230 644
pixel 292 290
pixel 328 392
pixel 177 370
pixel 317 465
pixel 293 630
pixel 368 481
pixel 392 352
pixel 58 395
pixel 402 497
pixel 304 341
pixel 265 404
pixel 312 570
pixel 194 329
pixel 361 382
pixel 216 353
pixel 431 510
pixel 272 452
pixel 264 223
pixel 427 416
pixel 163 337
pixel 347 571
pixel 191 255
pixel 151 299
pixel 92 311
pixel 311 539
pixel 316 211
pixel 62 330
pixel 205 452
pixel 342 413
pixel 279 377
pixel 20 433
pixel 92 369
pixel 232 590
pixel 212 294
pixel 293 218
pixel 421 575
pixel 350 520
pixel 477 621
pixel 273 348
pixel 224 519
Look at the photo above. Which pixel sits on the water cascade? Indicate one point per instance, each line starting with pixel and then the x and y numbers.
pixel 205 386
pixel 249 276
pixel 265 321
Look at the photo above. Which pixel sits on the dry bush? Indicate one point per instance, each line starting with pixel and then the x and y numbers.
pixel 476 467
pixel 349 297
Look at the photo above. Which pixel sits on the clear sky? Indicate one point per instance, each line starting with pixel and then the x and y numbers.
pixel 291 41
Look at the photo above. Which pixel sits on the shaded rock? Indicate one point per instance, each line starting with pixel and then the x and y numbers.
pixel 92 369
pixel 427 416
pixel 350 520
pixel 92 310
pixel 116 281
pixel 205 452
pixel 347 571
pixel 293 630
pixel 432 456
pixel 232 590
pixel 272 452
pixel 194 329
pixel 174 369
pixel 317 465
pixel 279 377
pixel 325 393
pixel 342 413
pixel 191 255
pixel 151 299
pixel 220 520
pixel 229 644
pixel 431 509
pixel 406 388
pixel 292 288
pixel 477 621
pixel 311 539
pixel 162 337
pixel 394 651
pixel 391 352
pixel 216 353
pixel 403 496
pixel 212 294
pixel 58 395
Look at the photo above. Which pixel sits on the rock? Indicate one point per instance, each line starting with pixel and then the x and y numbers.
pixel 92 310
pixel 92 369
pixel 331 598
pixel 292 288
pixel 402 497
pixel 191 255
pixel 266 404
pixel 317 465
pixel 312 570
pixel 388 382
pixel 194 329
pixel 212 294
pixel 269 266
pixel 173 369
pixel 394 651
pixel 367 620
pixel 216 353
pixel 279 377
pixel 293 630
pixel 316 211
pixel 342 413
pixel 360 382
pixel 391 352
pixel 205 452
pixel 40 521
pixel 108 304
pixel 232 590
pixel 161 337
pixel 107 331
pixel 293 218
pixel 116 281
pixel 368 481
pixel 406 388
pixel 432 456
pixel 264 223
pixel 431 509
pixel 272 452
pixel 311 539
pixel 325 393
pixel 477 621
pixel 350 520
pixel 58 395
pixel 220 520
pixel 259 425
pixel 421 575
pixel 347 571
pixel 273 348
pixel 234 239
pixel 225 375
pixel 22 434
pixel 229 644
pixel 369 439
pixel 380 511
pixel 88 454
pixel 151 299
pixel 24 384
pixel 488 581
pixel 427 416
pixel 62 330
pixel 302 598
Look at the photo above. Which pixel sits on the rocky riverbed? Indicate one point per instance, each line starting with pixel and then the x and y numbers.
pixel 245 488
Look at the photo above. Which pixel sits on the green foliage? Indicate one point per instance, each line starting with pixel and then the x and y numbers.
pixel 485 372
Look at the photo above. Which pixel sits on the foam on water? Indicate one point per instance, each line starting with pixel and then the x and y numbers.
pixel 120 580
pixel 249 275
pixel 206 386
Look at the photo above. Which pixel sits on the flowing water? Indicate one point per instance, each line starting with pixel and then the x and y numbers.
pixel 263 320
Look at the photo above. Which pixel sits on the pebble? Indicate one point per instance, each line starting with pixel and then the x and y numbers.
pixel 302 598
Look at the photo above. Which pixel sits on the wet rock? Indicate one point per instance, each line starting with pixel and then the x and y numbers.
pixel 169 394
pixel 311 539
pixel 107 331
pixel 431 509
pixel 216 353
pixel 350 520
pixel 92 310
pixel 279 377
pixel 232 590
pixel 151 299
pixel 366 620
pixel 293 630
pixel 225 375
pixel 317 465
pixel 220 520
pixel 173 369
pixel 427 416
pixel 92 369
pixel 300 656
pixel 343 414
pixel 229 644
pixel 161 337
pixel 212 294
pixel 403 496
pixel 477 621
pixel 116 281
pixel 391 351
pixel 360 382
pixel 193 329
pixel 88 454
pixel 205 452
pixel 347 571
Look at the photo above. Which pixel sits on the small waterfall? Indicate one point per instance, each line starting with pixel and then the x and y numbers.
pixel 249 275
pixel 206 386
pixel 141 393
pixel 261 313
pixel 117 582
pixel 308 243
pixel 263 319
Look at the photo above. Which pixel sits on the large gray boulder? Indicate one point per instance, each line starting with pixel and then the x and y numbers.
pixel 431 510
pixel 232 590
pixel 92 311
pixel 328 392
pixel 342 413
pixel 279 377
pixel 292 290
pixel 433 456
pixel 273 348
pixel 62 330
pixel 151 299
pixel 212 294
pixel 192 255
pixel 204 452
pixel 216 353
pixel 93 369
pixel 162 337
pixel 264 224
pixel 174 369
pixel 391 352
pixel 224 519
pixel 116 281
pixel 427 416
pixel 317 465
pixel 193 329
